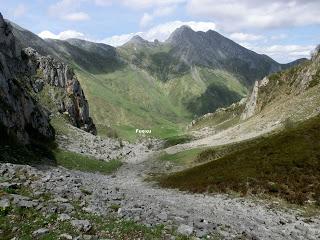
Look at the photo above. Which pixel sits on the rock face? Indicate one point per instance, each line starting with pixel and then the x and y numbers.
pixel 275 87
pixel 211 49
pixel 21 117
pixel 61 77
pixel 23 74
pixel 251 103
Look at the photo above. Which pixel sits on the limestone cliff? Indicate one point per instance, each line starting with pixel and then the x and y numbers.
pixel 251 104
pixel 24 77
pixel 282 85
pixel 22 119
pixel 66 92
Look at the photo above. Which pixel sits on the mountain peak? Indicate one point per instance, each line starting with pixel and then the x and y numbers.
pixel 184 31
pixel 137 40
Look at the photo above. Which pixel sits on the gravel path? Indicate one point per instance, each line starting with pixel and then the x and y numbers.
pixel 198 213
pixel 231 217
pixel 144 202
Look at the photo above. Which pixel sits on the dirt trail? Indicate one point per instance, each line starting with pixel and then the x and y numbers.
pixel 203 214
pixel 230 217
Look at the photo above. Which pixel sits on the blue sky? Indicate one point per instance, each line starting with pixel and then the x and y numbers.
pixel 283 29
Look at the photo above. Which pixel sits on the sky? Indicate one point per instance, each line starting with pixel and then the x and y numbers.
pixel 283 29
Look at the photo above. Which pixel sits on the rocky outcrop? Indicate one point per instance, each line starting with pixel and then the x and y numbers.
pixel 71 99
pixel 21 117
pixel 251 103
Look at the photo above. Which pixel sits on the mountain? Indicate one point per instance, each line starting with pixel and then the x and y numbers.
pixel 32 88
pixel 22 119
pixel 281 98
pixel 154 85
pixel 211 49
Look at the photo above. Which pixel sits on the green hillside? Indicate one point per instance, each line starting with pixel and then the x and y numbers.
pixel 286 165
pixel 154 85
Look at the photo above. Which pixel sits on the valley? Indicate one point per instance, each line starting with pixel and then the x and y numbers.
pixel 194 137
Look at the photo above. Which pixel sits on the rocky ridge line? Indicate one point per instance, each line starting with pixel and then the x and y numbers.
pixel 21 117
pixel 57 74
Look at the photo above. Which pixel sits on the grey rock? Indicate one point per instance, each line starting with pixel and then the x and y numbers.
pixel 63 217
pixel 60 199
pixel 40 232
pixel 65 208
pixel 27 204
pixel 81 225
pixel 7 185
pixel 163 216
pixel 65 236
pixel 185 230
pixel 21 111
pixel 4 203
pixel 71 100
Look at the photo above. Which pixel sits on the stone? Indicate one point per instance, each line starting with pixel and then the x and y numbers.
pixel 60 75
pixel 7 185
pixel 26 204
pixel 81 225
pixel 4 203
pixel 65 236
pixel 40 232
pixel 184 229
pixel 201 233
pixel 163 216
pixel 63 217
pixel 60 199
pixel 65 208
pixel 25 115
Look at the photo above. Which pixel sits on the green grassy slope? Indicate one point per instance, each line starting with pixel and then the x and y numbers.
pixel 131 98
pixel 286 165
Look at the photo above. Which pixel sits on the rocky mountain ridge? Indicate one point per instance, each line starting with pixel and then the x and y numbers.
pixel 288 90
pixel 22 119
pixel 24 74
pixel 165 84
pixel 293 81
pixel 71 99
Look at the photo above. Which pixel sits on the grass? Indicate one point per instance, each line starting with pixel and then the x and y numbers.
pixel 80 162
pixel 21 222
pixel 59 123
pixel 185 158
pixel 177 139
pixel 127 99
pixel 284 165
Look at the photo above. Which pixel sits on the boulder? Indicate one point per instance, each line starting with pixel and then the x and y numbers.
pixel 185 230
pixel 40 232
pixel 81 225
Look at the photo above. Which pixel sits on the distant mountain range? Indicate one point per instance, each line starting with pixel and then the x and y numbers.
pixel 158 85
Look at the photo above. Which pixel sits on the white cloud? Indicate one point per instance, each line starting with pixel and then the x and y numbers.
pixel 20 10
pixel 283 53
pixel 143 4
pixel 239 36
pixel 62 35
pixel 147 18
pixel 235 14
pixel 103 2
pixel 279 36
pixel 76 16
pixel 118 40
pixel 68 10
pixel 160 32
